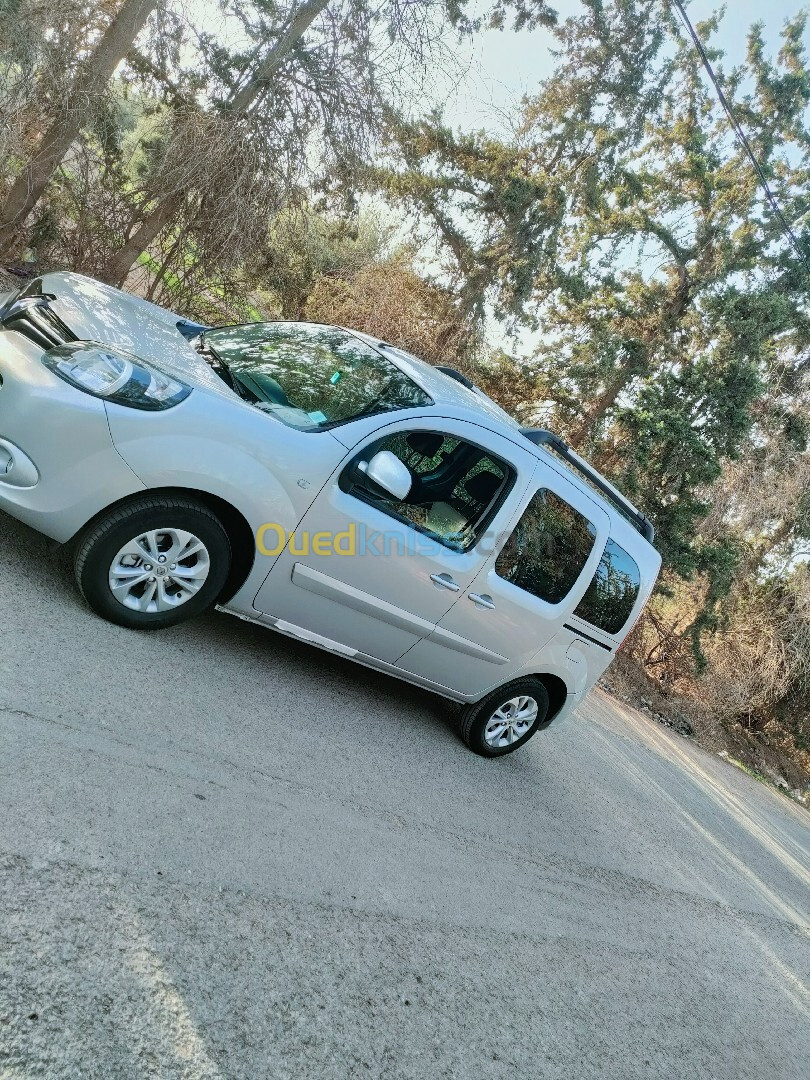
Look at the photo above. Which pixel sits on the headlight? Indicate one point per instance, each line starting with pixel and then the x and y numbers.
pixel 115 375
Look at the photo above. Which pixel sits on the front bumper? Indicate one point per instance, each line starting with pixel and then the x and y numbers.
pixel 58 464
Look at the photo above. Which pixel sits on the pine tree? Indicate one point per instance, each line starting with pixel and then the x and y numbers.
pixel 626 230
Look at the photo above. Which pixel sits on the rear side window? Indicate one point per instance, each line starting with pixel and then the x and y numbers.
pixel 613 591
pixel 548 548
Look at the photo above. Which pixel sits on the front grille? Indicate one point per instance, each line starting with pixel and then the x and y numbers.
pixel 32 316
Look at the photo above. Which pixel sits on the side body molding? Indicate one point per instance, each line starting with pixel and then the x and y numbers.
pixel 305 577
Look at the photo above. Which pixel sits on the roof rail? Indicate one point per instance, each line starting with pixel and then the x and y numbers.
pixel 541 437
pixel 451 371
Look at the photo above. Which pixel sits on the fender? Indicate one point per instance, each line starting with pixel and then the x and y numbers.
pixel 270 473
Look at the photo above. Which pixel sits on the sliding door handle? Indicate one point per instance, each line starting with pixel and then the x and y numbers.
pixel 444 581
pixel 482 600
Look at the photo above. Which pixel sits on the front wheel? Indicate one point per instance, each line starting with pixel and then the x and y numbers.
pixel 154 562
pixel 506 718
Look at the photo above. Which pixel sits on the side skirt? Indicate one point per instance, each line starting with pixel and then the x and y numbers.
pixel 328 645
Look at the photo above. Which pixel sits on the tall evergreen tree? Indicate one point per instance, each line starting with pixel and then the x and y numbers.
pixel 626 230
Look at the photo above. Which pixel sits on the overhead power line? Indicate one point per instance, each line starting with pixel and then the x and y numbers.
pixel 742 137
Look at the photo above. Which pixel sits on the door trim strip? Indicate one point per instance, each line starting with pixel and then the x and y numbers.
pixel 305 577
pixel 313 638
pixel 322 585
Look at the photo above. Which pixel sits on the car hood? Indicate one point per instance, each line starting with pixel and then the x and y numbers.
pixel 97 312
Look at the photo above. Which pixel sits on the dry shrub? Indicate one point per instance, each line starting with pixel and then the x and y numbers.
pixel 218 187
pixel 762 654
pixel 84 218
pixel 754 694
pixel 390 301
pixel 512 385
pixel 658 646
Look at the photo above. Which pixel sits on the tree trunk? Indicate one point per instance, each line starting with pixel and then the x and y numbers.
pixel 298 25
pixel 93 76
pixel 121 263
pixel 596 413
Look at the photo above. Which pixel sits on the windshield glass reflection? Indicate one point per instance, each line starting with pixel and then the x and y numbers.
pixel 310 376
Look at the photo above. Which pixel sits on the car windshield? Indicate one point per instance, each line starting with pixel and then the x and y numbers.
pixel 309 376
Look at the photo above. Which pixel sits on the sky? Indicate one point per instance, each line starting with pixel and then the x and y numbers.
pixel 501 66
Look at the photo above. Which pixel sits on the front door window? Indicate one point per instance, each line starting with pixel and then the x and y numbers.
pixel 456 486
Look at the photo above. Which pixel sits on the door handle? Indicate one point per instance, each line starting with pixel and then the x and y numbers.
pixel 482 600
pixel 444 581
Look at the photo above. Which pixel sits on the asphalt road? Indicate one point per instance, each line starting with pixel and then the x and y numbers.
pixel 225 854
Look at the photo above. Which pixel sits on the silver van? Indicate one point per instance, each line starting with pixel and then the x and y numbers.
pixel 322 483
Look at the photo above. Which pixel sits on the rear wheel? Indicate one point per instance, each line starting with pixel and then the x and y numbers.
pixel 506 718
pixel 153 562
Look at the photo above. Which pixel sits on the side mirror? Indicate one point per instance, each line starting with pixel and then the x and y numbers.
pixel 386 471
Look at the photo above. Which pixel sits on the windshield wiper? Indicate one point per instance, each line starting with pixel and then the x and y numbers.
pixel 218 365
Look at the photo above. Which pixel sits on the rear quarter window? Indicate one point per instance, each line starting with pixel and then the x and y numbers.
pixel 548 548
pixel 613 591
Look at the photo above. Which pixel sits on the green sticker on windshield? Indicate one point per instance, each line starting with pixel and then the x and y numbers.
pixel 335 379
pixel 318 417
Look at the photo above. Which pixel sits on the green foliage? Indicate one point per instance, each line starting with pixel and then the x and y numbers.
pixel 624 227
pixel 303 246
pixel 504 211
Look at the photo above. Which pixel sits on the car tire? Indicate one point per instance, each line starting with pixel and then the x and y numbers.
pixel 153 562
pixel 506 718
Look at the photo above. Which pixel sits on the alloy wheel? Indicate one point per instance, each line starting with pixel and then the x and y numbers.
pixel 510 722
pixel 159 570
